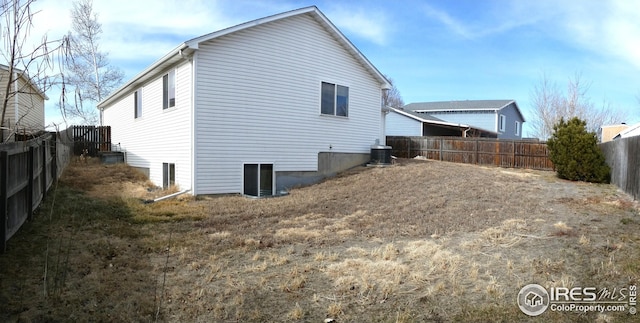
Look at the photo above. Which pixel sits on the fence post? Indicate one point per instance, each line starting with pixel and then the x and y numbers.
pixel 513 146
pixel 441 144
pixel 476 140
pixel 54 157
pixel 4 172
pixel 30 166
pixel 43 169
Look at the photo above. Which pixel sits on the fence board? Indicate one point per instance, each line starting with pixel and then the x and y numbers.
pixel 482 151
pixel 94 139
pixel 27 170
pixel 622 156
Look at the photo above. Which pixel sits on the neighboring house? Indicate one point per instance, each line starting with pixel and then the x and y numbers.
pixel 253 109
pixel 609 131
pixel 25 109
pixel 491 118
pixel 630 131
pixel 400 122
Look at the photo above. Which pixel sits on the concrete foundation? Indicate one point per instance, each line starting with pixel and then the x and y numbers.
pixel 329 164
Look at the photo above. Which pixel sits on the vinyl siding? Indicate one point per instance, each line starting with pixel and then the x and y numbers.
pixel 159 136
pixel 258 100
pixel 29 110
pixel 512 116
pixel 399 125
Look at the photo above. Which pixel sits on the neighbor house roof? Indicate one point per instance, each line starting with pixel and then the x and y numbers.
pixel 632 131
pixel 466 105
pixel 423 117
pixel 188 47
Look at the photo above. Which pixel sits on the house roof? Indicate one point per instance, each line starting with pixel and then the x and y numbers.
pixel 27 79
pixel 187 48
pixel 631 131
pixel 426 118
pixel 466 105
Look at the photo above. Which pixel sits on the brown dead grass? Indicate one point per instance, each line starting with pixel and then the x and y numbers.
pixel 419 241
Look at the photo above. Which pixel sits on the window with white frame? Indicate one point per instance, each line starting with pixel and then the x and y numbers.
pixel 517 128
pixel 168 175
pixel 258 179
pixel 335 100
pixel 169 90
pixel 137 102
pixel 502 122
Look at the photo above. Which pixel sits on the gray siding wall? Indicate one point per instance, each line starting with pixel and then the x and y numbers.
pixel 257 99
pixel 400 125
pixel 512 115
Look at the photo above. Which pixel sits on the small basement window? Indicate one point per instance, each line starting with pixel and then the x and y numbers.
pixel 258 180
pixel 168 175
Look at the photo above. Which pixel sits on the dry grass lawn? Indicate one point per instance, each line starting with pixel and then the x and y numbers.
pixel 422 241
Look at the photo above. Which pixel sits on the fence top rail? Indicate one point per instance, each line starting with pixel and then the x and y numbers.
pixel 17 147
pixel 527 141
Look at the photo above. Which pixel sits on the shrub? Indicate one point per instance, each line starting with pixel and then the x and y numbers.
pixel 575 153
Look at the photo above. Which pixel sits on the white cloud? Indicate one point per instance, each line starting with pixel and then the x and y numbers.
pixel 488 21
pixel 369 24
pixel 608 27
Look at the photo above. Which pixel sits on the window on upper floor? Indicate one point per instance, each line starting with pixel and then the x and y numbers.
pixel 169 90
pixel 335 100
pixel 517 128
pixel 502 123
pixel 137 103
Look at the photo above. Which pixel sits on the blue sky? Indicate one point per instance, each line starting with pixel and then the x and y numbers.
pixel 433 50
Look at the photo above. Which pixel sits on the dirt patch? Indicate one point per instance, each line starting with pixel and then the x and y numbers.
pixel 419 241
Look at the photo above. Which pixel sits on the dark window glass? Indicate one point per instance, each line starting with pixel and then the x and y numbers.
pixel 172 88
pixel 165 91
pixel 137 97
pixel 342 101
pixel 168 175
pixel 328 98
pixel 266 179
pixel 251 179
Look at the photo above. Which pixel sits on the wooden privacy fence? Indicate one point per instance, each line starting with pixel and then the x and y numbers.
pixel 482 151
pixel 623 156
pixel 92 138
pixel 27 171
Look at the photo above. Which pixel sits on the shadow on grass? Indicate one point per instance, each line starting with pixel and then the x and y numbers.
pixel 79 259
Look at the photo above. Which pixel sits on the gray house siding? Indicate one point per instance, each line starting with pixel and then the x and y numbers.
pixel 512 115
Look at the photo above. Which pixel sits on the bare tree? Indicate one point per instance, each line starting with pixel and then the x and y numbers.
pixel 90 73
pixel 35 63
pixel 392 97
pixel 550 104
